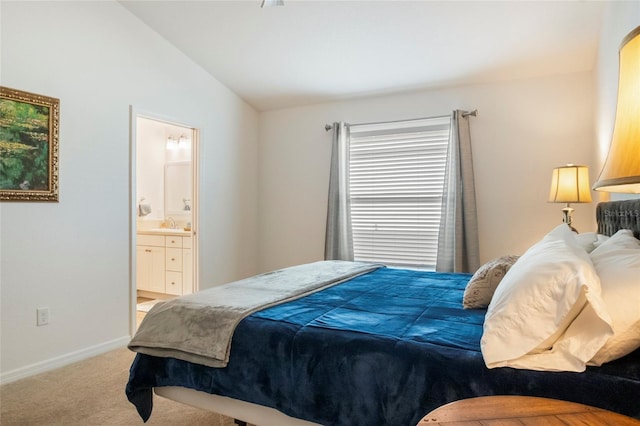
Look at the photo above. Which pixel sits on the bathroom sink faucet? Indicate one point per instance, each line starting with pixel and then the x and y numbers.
pixel 172 222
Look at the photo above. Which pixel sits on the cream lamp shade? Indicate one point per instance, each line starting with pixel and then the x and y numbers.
pixel 621 171
pixel 570 184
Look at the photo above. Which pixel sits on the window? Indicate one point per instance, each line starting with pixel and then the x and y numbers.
pixel 396 180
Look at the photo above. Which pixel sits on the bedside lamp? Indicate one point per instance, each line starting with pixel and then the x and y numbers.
pixel 621 171
pixel 570 184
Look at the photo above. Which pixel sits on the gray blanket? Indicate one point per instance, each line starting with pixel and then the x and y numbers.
pixel 198 328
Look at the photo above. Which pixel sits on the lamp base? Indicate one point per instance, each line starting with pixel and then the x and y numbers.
pixel 566 217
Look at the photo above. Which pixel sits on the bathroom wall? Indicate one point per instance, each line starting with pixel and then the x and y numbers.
pixel 152 155
pixel 150 160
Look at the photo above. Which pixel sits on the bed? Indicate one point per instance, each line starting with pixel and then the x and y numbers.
pixel 382 348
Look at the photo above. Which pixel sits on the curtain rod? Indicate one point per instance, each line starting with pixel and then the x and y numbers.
pixel 473 113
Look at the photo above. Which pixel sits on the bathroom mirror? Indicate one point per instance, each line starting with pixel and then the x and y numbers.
pixel 177 188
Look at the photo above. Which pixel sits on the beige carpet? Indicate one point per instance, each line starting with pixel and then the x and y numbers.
pixel 91 392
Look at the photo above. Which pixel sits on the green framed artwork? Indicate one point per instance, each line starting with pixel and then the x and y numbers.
pixel 29 127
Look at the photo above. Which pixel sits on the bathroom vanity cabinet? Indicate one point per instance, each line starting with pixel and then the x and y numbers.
pixel 150 255
pixel 163 263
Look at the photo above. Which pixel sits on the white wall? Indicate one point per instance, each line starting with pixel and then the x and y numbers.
pixel 73 256
pixel 152 155
pixel 150 160
pixel 523 130
pixel 620 18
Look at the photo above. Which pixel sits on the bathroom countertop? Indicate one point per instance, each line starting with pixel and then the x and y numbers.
pixel 164 231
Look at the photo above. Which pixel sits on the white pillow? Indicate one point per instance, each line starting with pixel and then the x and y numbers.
pixel 527 322
pixel 590 240
pixel 617 262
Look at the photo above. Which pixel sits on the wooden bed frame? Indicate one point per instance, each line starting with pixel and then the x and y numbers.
pixel 611 216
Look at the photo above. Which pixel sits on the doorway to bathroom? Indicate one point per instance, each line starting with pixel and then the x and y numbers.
pixel 164 218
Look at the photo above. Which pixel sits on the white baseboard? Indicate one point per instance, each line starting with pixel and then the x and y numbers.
pixel 61 361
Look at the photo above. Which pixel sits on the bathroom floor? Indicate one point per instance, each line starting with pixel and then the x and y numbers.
pixel 140 314
pixel 144 305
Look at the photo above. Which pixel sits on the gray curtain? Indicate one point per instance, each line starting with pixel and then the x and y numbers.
pixel 339 238
pixel 458 247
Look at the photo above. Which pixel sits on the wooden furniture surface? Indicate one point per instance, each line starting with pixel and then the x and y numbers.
pixel 521 410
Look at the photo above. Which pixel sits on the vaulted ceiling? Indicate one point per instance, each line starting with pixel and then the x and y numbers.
pixel 315 51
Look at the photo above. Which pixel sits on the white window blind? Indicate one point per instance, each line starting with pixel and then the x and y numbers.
pixel 396 180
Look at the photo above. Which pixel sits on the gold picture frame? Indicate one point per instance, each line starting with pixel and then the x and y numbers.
pixel 29 128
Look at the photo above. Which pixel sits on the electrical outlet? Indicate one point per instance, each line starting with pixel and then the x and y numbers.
pixel 42 316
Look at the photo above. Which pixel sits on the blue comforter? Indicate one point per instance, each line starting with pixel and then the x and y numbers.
pixel 384 348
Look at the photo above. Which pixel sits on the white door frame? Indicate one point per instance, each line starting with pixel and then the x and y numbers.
pixel 134 114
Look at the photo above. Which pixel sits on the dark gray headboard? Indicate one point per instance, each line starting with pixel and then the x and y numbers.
pixel 615 215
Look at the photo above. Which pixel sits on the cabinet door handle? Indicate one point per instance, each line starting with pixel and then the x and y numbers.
pixel 147 250
pixel 173 241
pixel 173 259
